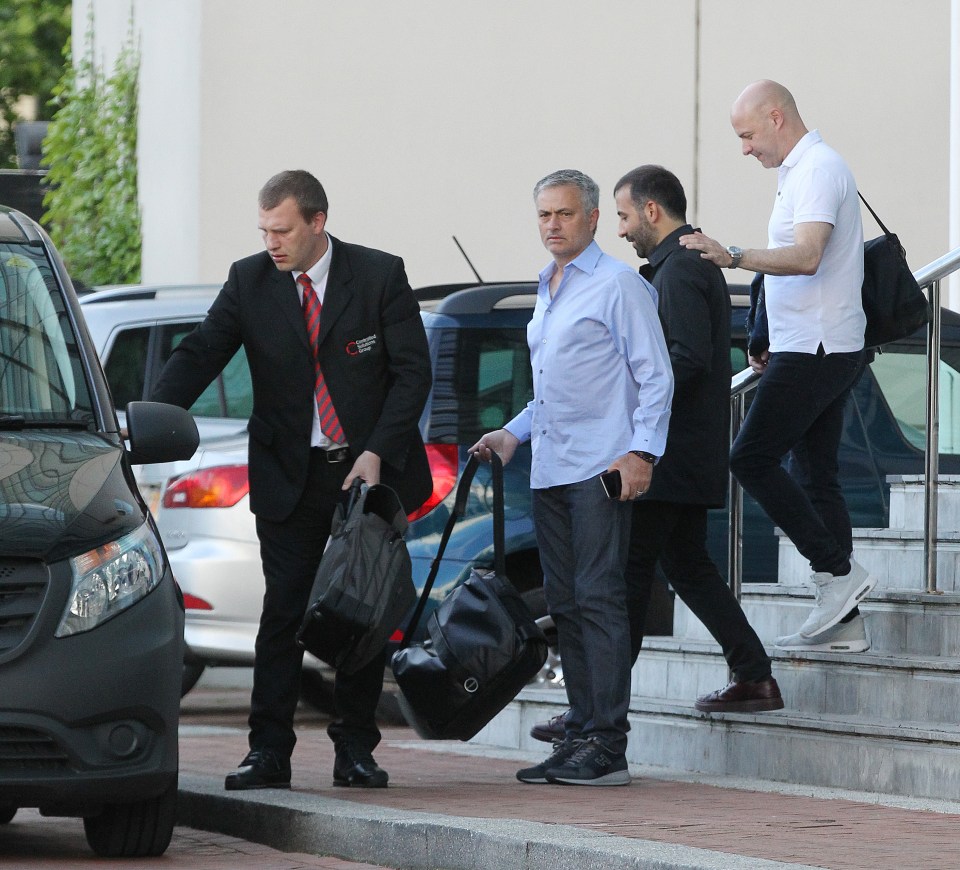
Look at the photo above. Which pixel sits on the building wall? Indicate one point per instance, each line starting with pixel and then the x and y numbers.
pixel 431 119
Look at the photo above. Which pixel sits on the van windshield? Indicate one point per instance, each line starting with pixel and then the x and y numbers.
pixel 41 378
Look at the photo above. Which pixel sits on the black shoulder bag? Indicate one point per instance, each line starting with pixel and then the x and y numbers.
pixel 892 300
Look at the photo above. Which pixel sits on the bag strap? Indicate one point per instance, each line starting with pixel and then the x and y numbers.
pixel 459 509
pixel 345 505
pixel 353 495
pixel 876 217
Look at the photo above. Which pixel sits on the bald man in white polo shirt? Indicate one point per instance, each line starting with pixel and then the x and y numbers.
pixel 813 271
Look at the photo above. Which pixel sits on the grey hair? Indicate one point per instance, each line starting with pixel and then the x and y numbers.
pixel 589 190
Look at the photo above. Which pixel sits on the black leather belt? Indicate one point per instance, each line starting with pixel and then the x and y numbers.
pixel 334 455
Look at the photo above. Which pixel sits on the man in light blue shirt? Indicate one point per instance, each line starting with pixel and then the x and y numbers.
pixel 602 386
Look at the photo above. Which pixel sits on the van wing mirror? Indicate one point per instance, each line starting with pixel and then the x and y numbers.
pixel 160 433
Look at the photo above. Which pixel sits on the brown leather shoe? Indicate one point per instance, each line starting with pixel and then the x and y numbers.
pixel 746 697
pixel 553 729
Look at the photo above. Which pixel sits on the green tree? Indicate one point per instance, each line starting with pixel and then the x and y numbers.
pixel 33 34
pixel 93 212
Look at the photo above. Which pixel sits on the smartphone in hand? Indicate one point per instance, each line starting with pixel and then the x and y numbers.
pixel 611 483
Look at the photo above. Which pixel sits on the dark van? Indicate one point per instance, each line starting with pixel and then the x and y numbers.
pixel 91 620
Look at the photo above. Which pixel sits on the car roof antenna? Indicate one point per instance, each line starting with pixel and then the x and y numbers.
pixel 465 257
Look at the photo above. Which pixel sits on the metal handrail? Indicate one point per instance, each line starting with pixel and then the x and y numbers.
pixel 938 269
pixel 929 278
pixel 740 384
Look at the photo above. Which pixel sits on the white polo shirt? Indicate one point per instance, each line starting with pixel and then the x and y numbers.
pixel 804 311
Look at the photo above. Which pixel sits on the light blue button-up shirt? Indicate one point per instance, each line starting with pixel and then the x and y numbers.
pixel 602 380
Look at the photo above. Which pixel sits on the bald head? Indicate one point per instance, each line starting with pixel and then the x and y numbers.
pixel 763 96
pixel 766 119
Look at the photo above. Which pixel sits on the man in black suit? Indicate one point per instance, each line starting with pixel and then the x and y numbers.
pixel 670 521
pixel 332 401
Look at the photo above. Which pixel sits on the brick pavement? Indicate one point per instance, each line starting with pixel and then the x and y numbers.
pixel 842 834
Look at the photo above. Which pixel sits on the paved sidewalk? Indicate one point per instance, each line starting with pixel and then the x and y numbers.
pixel 451 805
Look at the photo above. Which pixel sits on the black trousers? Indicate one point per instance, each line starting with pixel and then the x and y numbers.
pixel 676 536
pixel 291 551
pixel 799 407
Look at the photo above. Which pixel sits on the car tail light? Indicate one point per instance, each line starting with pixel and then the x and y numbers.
pixel 192 602
pixel 444 464
pixel 221 486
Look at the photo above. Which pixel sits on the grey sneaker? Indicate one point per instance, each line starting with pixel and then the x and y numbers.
pixel 843 637
pixel 562 750
pixel 591 764
pixel 836 597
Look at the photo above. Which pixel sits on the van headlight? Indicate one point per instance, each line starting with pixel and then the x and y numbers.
pixel 111 578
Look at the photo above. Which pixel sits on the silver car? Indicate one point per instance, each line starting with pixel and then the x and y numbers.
pixel 213 551
pixel 201 506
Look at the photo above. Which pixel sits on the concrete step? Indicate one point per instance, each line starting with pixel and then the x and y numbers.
pixel 898 622
pixel 883 721
pixel 911 758
pixel 907 500
pixel 893 556
pixel 874 687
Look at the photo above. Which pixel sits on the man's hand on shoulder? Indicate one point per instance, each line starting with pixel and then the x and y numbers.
pixel 710 249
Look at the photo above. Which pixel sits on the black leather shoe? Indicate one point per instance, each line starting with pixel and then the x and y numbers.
pixel 746 697
pixel 355 766
pixel 262 768
pixel 552 729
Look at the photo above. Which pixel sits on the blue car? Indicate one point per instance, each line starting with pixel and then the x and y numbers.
pixel 482 378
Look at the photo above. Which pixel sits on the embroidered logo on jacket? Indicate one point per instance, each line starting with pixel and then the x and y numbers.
pixel 361 345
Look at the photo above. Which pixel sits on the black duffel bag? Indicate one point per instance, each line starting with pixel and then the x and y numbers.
pixel 482 647
pixel 893 302
pixel 364 585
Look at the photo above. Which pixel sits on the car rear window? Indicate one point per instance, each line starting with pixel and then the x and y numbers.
pixel 482 379
pixel 128 369
pixel 901 372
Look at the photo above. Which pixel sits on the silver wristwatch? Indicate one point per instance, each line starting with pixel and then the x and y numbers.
pixel 736 255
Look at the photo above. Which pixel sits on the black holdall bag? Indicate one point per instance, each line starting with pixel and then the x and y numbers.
pixel 364 584
pixel 893 302
pixel 483 644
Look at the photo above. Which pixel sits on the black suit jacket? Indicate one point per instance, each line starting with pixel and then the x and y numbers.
pixel 374 355
pixel 695 310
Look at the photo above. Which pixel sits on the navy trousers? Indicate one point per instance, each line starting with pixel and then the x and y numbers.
pixel 583 538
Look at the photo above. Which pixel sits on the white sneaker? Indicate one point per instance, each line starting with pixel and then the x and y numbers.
pixel 836 597
pixel 843 637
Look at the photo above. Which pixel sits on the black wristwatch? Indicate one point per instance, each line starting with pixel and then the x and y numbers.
pixel 646 457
